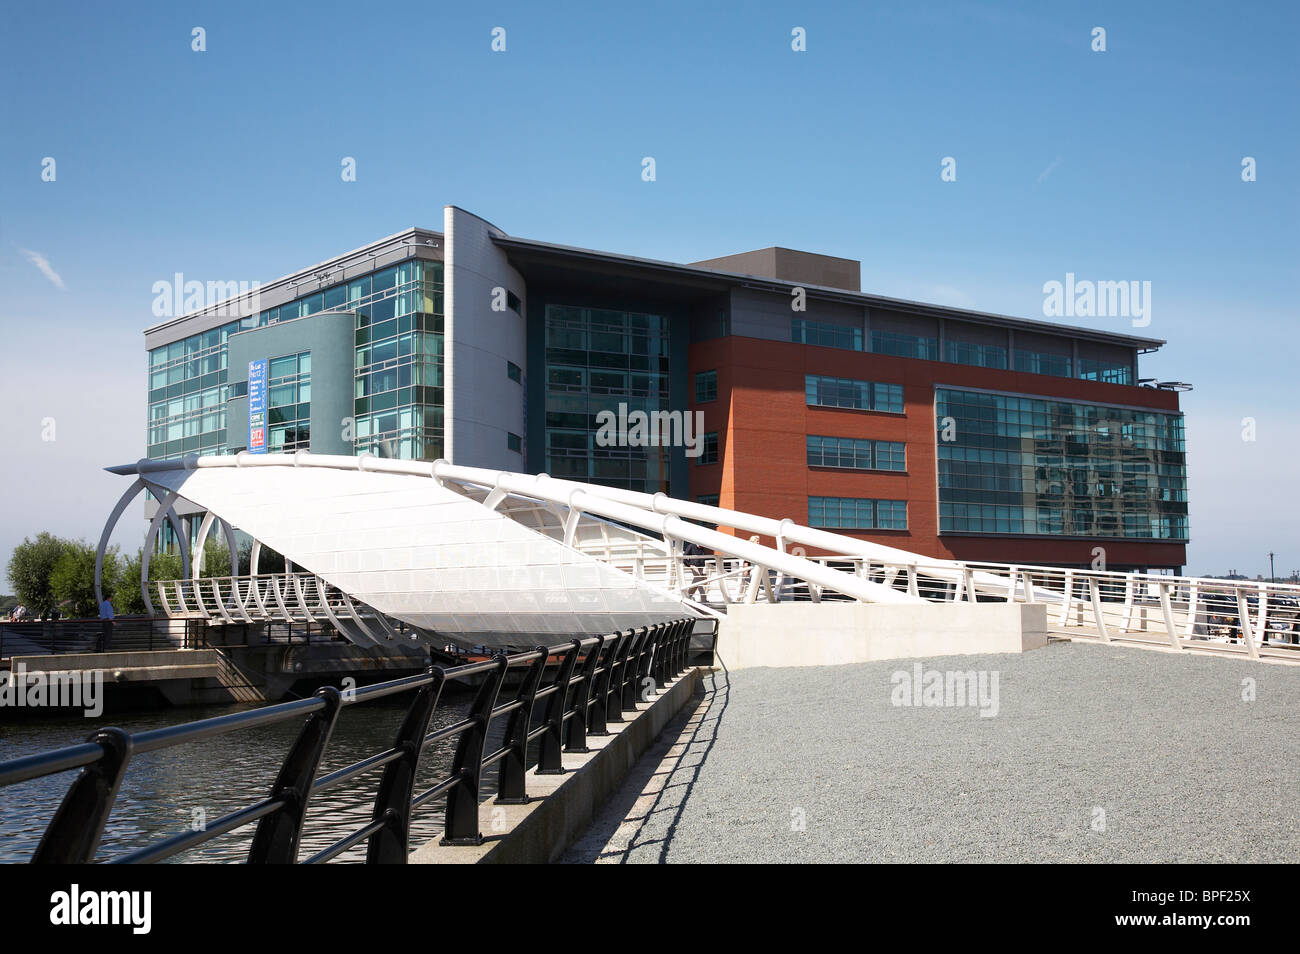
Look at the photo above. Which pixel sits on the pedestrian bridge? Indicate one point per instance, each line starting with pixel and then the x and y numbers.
pixel 481 557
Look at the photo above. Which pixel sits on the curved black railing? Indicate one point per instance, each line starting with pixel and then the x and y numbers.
pixel 594 681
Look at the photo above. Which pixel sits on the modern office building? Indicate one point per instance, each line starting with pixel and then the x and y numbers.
pixel 952 433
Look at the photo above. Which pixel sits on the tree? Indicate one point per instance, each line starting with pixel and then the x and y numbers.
pixel 216 559
pixel 268 561
pixel 73 578
pixel 164 565
pixel 30 568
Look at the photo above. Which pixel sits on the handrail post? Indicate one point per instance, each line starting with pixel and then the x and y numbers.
pixel 1067 598
pixel 645 659
pixel 600 704
pixel 461 823
pixel 675 649
pixel 658 672
pixel 549 759
pixel 278 834
pixel 1247 635
pixel 1166 608
pixel 669 669
pixel 670 650
pixel 511 778
pixel 391 844
pixel 1130 594
pixel 1098 614
pixel 614 699
pixel 650 659
pixel 663 656
pixel 576 739
pixel 73 835
pixel 627 676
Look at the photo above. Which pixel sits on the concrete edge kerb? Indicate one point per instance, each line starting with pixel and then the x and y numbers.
pixel 562 807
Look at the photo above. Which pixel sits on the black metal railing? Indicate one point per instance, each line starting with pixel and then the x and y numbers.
pixel 593 682
pixel 65 636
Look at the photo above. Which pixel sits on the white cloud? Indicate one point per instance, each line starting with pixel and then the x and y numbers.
pixel 1042 176
pixel 43 263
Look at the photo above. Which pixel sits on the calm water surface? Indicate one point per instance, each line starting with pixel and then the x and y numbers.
pixel 162 790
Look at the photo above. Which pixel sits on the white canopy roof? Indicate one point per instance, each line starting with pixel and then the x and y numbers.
pixel 423 553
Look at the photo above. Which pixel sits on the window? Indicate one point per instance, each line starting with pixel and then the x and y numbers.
pixel 715 326
pixel 709 453
pixel 706 386
pixel 890 455
pixel 567 379
pixel 891 515
pixel 514 372
pixel 1038 362
pixel 905 346
pixel 398 382
pixel 1023 465
pixel 398 367
pixel 289 403
pixel 804 331
pixel 1112 372
pixel 595 360
pixel 514 442
pixel 187 394
pixel 709 500
pixel 857 513
pixel 821 391
pixel 854 453
pixel 978 355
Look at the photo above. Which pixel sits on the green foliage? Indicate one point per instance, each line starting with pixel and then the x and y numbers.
pixel 162 566
pixel 216 559
pixel 31 566
pixel 268 562
pixel 73 578
pixel 50 572
pixel 126 587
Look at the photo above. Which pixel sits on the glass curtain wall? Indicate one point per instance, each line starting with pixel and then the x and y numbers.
pixel 598 360
pixel 1022 465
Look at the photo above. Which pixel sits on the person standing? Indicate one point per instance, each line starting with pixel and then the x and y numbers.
pixel 106 616
pixel 694 558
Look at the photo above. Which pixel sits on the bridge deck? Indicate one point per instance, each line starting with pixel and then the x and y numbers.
pixel 1183 768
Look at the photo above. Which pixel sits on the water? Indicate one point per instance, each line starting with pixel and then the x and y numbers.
pixel 162 790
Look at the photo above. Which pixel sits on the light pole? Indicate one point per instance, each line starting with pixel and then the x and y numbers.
pixel 1271 574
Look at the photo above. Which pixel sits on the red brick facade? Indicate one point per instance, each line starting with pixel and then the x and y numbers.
pixel 762 419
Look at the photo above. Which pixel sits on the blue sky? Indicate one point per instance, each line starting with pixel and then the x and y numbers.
pixel 224 165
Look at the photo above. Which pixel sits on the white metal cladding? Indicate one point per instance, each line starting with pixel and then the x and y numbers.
pixel 423 553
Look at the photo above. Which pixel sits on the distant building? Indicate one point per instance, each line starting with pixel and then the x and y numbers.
pixel 936 429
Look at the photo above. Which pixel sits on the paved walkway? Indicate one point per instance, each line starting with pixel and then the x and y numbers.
pixel 1096 754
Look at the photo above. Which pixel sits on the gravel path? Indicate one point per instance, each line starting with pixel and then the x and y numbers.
pixel 1096 754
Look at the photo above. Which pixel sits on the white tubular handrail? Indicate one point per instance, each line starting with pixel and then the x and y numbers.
pixel 302 600
pixel 276 591
pixel 221 603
